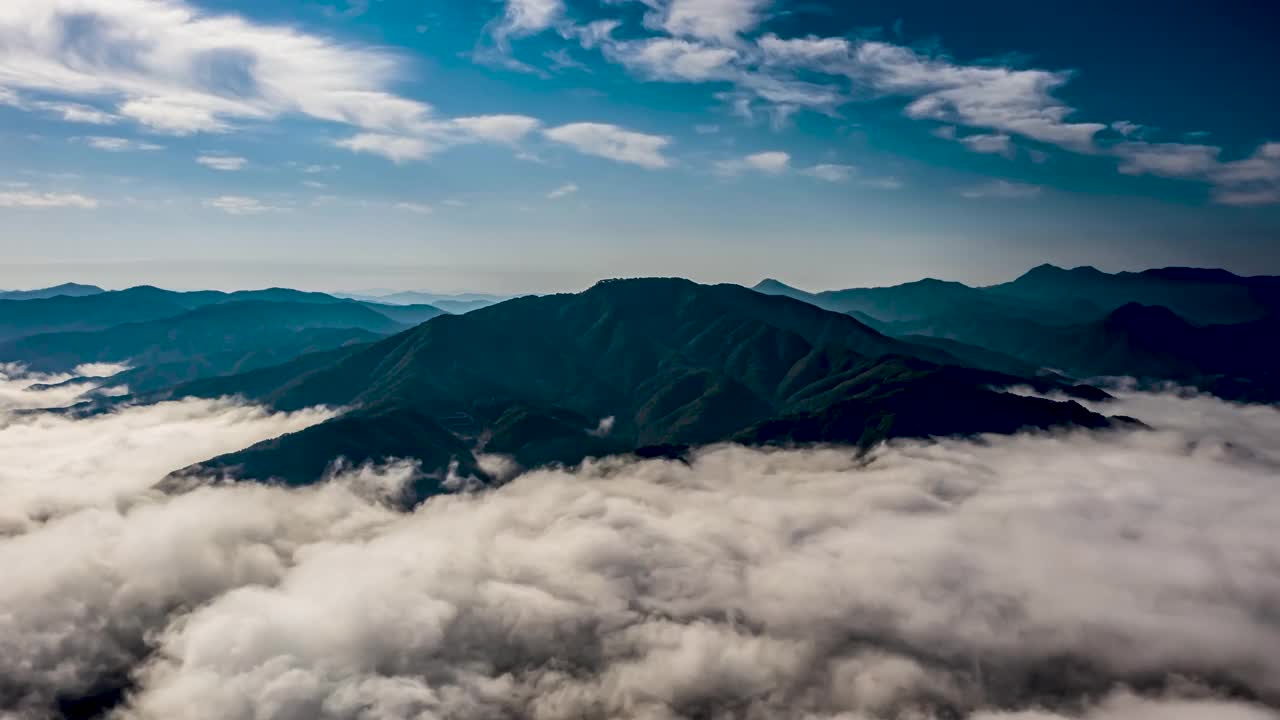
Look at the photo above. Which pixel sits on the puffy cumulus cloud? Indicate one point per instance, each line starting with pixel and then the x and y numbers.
pixel 613 143
pixel 1115 575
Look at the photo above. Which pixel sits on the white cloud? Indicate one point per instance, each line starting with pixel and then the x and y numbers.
pixel 998 98
pixel 830 172
pixel 946 132
pixel 614 143
pixel 69 111
pixel 769 163
pixel 239 205
pixel 226 163
pixel 497 128
pixel 720 20
pixel 1247 182
pixel 563 191
pixel 672 59
pixel 989 144
pixel 812 51
pixel 1247 198
pixel 945 579
pixel 1172 160
pixel 413 207
pixel 396 148
pixel 179 69
pixel 527 17
pixel 46 200
pixel 117 144
pixel 1002 190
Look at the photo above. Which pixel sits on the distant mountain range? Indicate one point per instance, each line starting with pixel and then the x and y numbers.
pixel 647 366
pixel 457 304
pixel 1206 328
pixel 169 337
pixel 654 366
pixel 68 289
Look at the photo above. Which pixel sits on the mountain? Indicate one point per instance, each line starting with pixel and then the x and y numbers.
pixel 406 314
pixel 926 298
pixel 65 289
pixel 625 366
pixel 210 340
pixel 1237 361
pixel 103 310
pixel 456 304
pixel 1203 296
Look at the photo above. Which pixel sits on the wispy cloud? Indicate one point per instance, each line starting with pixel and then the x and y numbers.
pixel 1250 181
pixel 994 144
pixel 118 144
pixel 613 143
pixel 830 172
pixel 240 205
pixel 46 200
pixel 226 163
pixel 774 162
pixel 563 191
pixel 396 148
pixel 413 207
pixel 1002 190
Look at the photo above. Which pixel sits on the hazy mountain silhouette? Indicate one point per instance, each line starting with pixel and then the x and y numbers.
pixel 103 310
pixel 1202 296
pixel 927 298
pixel 65 289
pixel 1209 328
pixel 457 304
pixel 624 366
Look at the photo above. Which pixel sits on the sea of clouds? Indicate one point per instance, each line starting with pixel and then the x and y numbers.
pixel 1113 575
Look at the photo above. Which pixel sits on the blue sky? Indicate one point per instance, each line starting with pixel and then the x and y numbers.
pixel 538 145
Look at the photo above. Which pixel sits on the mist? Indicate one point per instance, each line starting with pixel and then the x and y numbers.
pixel 1107 575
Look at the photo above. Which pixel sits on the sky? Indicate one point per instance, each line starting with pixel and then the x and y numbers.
pixel 539 145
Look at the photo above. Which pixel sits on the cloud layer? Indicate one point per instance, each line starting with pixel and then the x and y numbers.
pixel 1109 576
